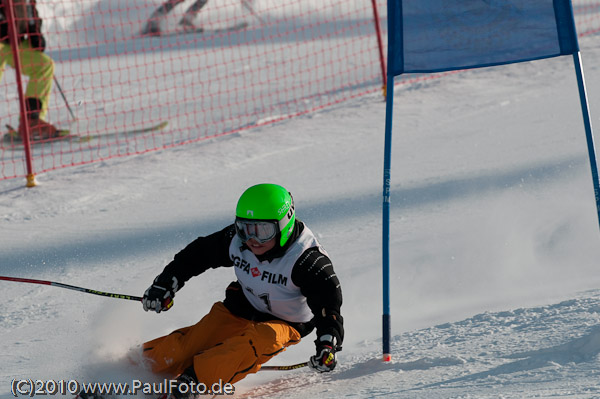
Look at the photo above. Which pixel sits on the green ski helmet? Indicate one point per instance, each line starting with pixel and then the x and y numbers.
pixel 269 203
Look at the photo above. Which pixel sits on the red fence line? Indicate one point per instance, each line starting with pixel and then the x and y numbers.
pixel 291 57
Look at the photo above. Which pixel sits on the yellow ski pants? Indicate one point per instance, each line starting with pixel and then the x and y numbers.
pixel 35 64
pixel 221 346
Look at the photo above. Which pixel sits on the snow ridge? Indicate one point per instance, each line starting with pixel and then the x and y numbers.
pixel 490 353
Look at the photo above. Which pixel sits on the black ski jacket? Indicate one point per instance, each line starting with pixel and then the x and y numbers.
pixel 321 289
pixel 27 20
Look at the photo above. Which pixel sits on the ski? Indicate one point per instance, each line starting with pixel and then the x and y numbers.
pixel 148 129
pixel 232 28
pixel 12 138
pixel 82 395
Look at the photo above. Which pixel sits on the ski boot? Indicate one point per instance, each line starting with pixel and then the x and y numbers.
pixel 39 129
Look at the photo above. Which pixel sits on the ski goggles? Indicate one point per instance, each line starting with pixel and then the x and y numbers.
pixel 261 231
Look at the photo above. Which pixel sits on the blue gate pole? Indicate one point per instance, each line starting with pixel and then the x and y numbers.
pixel 387 161
pixel 589 135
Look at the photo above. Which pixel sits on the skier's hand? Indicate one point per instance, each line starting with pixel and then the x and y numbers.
pixel 159 296
pixel 324 360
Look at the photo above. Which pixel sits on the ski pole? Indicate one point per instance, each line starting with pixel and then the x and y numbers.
pixel 71 287
pixel 131 298
pixel 64 98
pixel 285 368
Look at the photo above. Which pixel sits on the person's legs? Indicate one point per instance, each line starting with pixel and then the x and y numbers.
pixel 152 27
pixel 243 354
pixel 187 21
pixel 221 346
pixel 40 69
pixel 5 52
pixel 173 353
pixel 38 66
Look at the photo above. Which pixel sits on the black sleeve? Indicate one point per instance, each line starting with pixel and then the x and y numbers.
pixel 3 26
pixel 203 253
pixel 314 274
pixel 34 28
pixel 33 18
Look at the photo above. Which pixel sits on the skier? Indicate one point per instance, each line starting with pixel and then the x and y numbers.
pixel 186 23
pixel 285 288
pixel 34 63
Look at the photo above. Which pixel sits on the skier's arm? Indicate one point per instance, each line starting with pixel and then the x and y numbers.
pixel 34 27
pixel 202 254
pixel 314 274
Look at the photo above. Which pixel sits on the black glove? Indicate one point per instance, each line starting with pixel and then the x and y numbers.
pixel 159 296
pixel 37 41
pixel 324 360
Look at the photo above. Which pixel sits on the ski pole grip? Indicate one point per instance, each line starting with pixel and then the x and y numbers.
pixel 168 303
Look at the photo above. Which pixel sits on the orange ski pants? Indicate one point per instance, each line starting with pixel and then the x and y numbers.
pixel 221 346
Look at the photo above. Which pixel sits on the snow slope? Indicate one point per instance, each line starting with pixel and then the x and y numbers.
pixel 495 242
